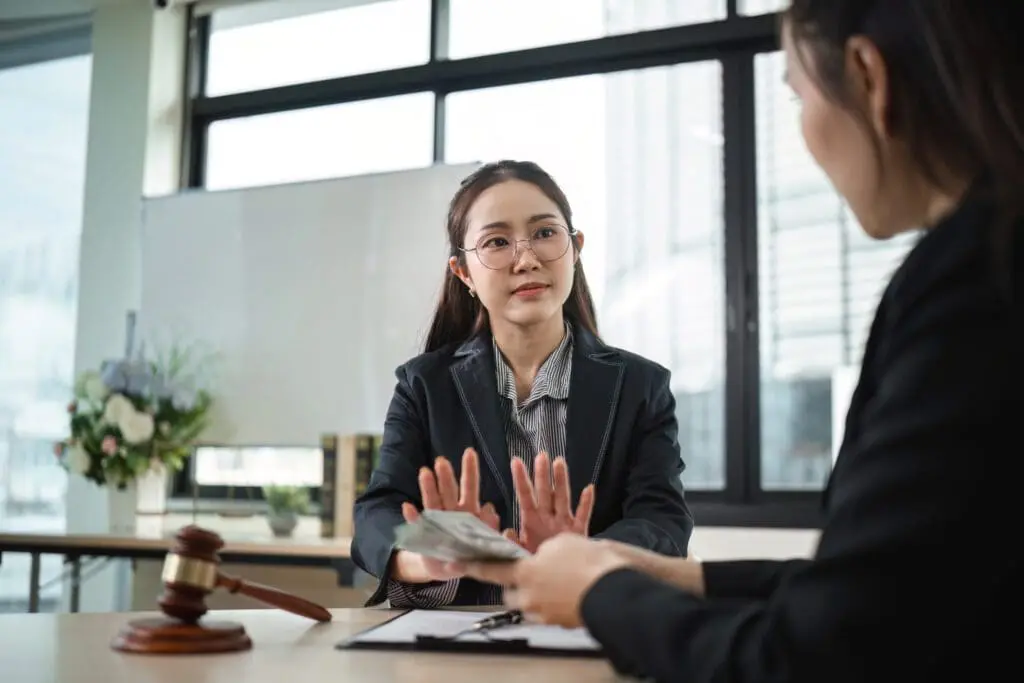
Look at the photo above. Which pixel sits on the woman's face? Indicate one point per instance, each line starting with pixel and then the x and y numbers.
pixel 854 152
pixel 516 283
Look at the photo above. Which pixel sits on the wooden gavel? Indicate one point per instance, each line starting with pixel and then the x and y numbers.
pixel 192 571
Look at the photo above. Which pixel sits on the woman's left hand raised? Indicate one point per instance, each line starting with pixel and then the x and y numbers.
pixel 545 505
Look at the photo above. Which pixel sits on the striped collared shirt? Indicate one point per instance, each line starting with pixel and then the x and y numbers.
pixel 531 426
pixel 538 423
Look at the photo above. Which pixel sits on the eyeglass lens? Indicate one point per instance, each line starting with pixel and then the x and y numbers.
pixel 548 243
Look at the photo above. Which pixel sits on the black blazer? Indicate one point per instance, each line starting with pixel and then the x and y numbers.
pixel 921 554
pixel 621 433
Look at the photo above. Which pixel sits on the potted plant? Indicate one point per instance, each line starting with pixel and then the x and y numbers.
pixel 284 505
pixel 131 419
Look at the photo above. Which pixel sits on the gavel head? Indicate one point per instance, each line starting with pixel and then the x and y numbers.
pixel 190 573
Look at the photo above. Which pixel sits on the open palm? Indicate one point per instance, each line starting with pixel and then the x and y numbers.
pixel 545 504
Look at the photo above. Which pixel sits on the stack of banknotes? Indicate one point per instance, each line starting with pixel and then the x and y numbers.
pixel 455 537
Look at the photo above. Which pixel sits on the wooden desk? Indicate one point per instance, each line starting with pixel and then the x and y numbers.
pixel 75 648
pixel 154 544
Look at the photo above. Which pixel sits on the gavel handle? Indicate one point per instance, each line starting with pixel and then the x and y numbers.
pixel 272 596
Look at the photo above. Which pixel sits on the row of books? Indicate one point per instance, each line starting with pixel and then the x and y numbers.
pixel 348 461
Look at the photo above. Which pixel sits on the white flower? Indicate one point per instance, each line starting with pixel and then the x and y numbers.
pixel 78 460
pixel 136 427
pixel 117 407
pixel 94 388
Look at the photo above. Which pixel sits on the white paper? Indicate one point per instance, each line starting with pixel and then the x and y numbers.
pixel 448 623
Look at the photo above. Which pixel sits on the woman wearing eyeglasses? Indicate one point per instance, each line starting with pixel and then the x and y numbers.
pixel 516 411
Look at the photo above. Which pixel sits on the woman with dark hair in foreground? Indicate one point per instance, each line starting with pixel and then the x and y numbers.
pixel 915 111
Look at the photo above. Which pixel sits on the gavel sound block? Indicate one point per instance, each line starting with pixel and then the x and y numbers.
pixel 190 573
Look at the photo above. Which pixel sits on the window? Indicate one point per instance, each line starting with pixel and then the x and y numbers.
pixel 44 110
pixel 369 136
pixel 761 6
pixel 644 174
pixel 820 277
pixel 269 44
pixel 481 28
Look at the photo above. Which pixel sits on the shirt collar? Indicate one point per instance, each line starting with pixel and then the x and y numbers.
pixel 552 379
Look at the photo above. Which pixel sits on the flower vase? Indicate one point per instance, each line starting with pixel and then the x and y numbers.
pixel 121 509
pixel 152 492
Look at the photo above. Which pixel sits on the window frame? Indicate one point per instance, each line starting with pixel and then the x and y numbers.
pixel 734 41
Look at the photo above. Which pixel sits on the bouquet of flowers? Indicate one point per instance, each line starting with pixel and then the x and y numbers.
pixel 132 416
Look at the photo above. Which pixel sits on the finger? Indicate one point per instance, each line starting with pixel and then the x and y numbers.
pixel 469 483
pixel 563 496
pixel 500 573
pixel 410 513
pixel 542 481
pixel 428 490
pixel 524 489
pixel 446 483
pixel 584 509
pixel 490 516
pixel 511 535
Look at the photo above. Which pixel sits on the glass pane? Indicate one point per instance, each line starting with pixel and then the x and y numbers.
pixel 44 113
pixel 761 6
pixel 482 28
pixel 820 279
pixel 639 155
pixel 269 45
pixel 372 136
pixel 258 466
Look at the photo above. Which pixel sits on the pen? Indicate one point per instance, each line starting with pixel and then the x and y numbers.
pixel 498 620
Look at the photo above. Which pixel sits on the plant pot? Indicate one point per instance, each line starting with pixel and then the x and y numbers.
pixel 122 507
pixel 283 523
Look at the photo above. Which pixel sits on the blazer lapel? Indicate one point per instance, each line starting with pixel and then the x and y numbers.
pixel 594 388
pixel 474 377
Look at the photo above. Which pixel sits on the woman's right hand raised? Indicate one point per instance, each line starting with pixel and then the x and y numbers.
pixel 439 490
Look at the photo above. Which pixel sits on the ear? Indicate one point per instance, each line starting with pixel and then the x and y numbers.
pixel 578 238
pixel 869 81
pixel 460 272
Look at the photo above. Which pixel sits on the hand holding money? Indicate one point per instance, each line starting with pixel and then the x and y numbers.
pixel 439 490
pixel 451 536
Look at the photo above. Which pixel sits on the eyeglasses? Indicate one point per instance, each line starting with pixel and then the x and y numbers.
pixel 548 243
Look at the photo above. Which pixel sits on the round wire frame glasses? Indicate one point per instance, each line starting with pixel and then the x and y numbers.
pixel 548 243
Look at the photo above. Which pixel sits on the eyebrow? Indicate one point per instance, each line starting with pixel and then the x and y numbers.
pixel 533 219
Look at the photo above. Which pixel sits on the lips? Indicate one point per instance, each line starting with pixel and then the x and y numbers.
pixel 530 288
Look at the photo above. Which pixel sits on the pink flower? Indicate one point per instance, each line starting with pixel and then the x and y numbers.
pixel 109 445
pixel 58 449
pixel 73 406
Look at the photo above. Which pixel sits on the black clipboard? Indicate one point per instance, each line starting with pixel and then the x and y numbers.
pixel 379 638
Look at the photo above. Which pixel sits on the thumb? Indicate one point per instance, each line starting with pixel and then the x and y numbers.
pixel 410 513
pixel 489 516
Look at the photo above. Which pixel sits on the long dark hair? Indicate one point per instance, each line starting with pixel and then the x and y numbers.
pixel 459 316
pixel 957 96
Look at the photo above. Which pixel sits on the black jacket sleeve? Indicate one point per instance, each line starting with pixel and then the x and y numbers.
pixel 747 578
pixel 890 594
pixel 654 514
pixel 404 450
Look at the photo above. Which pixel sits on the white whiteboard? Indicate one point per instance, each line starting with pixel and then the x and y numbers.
pixel 310 293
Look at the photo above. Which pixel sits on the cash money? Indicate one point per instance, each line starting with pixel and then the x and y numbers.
pixel 455 537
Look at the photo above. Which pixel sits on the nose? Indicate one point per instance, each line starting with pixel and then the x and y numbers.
pixel 524 260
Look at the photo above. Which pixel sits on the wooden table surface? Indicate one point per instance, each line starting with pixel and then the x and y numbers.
pixel 75 648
